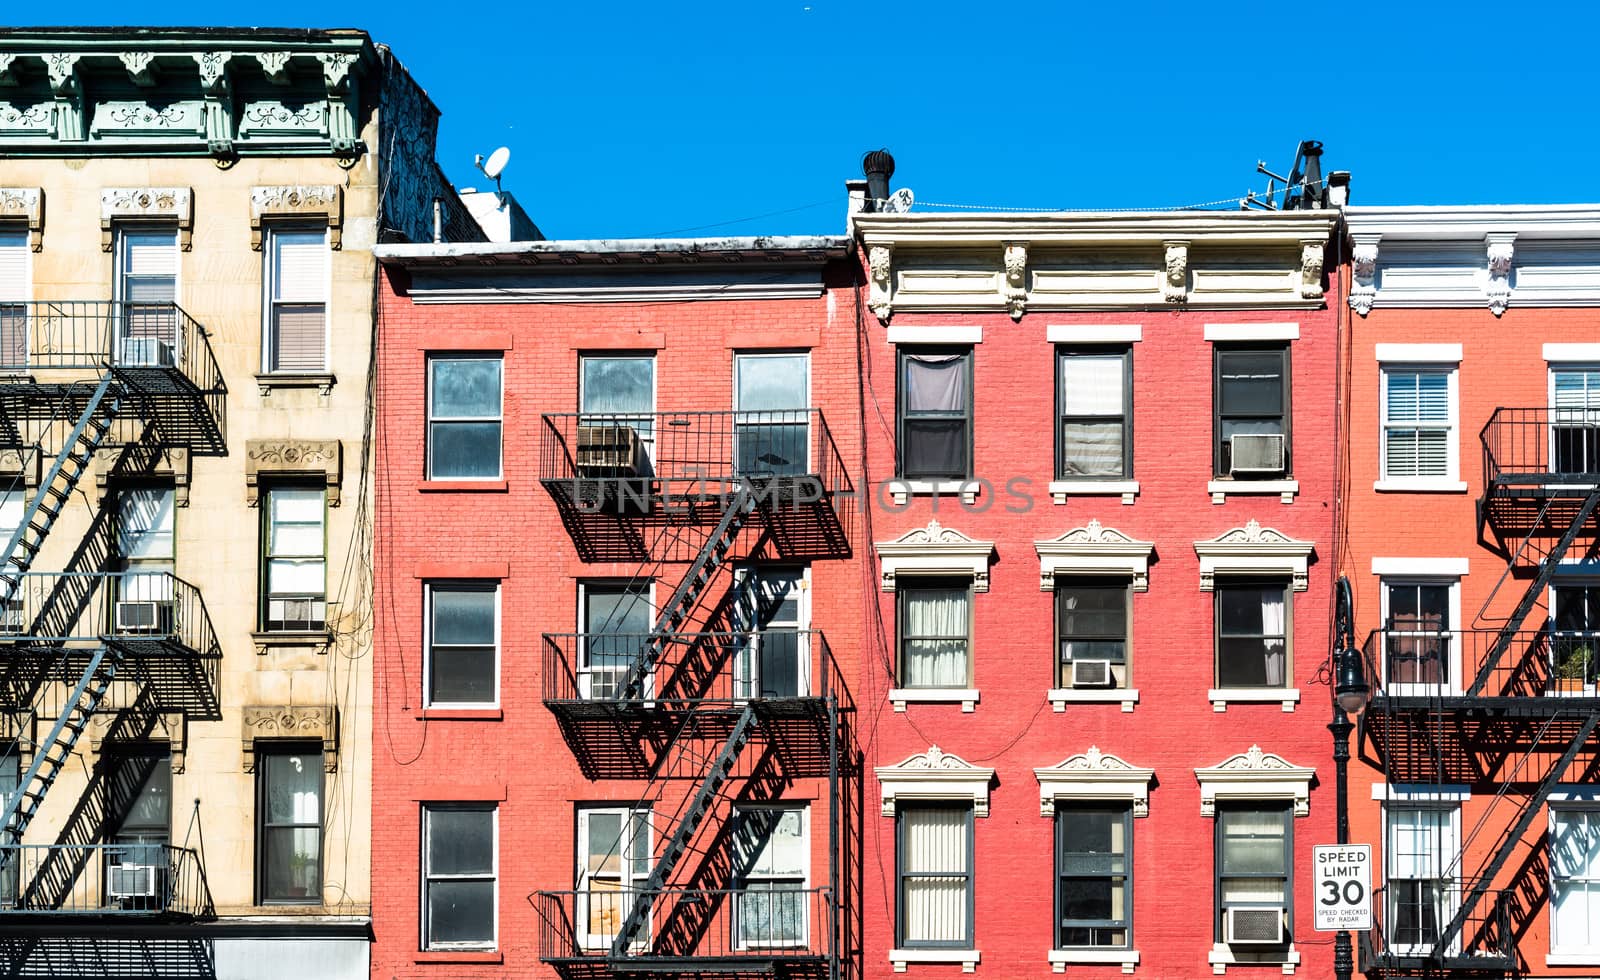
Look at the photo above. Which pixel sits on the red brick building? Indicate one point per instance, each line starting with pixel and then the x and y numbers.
pixel 620 617
pixel 1470 492
pixel 1101 454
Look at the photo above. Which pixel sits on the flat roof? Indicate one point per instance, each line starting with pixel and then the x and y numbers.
pixel 613 250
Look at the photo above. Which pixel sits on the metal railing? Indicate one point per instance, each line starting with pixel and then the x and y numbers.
pixel 1532 663
pixel 1406 932
pixel 759 922
pixel 1541 445
pixel 103 879
pixel 725 668
pixel 62 607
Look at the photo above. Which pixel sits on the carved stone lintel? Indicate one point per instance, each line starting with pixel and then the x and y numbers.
pixel 1501 250
pixel 1311 256
pixel 296 723
pixel 140 66
pixel 116 463
pixel 880 295
pixel 169 727
pixel 322 202
pixel 1364 273
pixel 1016 287
pixel 322 458
pixel 25 204
pixel 1175 276
pixel 143 203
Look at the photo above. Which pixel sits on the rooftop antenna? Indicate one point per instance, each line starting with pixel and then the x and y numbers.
pixel 1303 189
pixel 493 167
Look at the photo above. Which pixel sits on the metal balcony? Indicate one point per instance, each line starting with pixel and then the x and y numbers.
pixel 637 487
pixel 1405 934
pixel 1527 671
pixel 160 357
pixel 766 931
pixel 50 880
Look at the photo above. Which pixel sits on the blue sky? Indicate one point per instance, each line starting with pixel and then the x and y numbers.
pixel 710 118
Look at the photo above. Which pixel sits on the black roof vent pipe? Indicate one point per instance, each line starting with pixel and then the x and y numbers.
pixel 1313 194
pixel 878 166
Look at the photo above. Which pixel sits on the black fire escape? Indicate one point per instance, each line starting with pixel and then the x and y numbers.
pixel 1521 719
pixel 709 708
pixel 124 383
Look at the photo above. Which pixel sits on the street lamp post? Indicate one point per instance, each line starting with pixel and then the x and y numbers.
pixel 1349 697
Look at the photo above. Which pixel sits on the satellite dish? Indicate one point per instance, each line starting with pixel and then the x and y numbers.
pixel 899 202
pixel 496 163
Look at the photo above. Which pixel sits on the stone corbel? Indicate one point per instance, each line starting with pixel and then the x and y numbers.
pixel 1175 274
pixel 318 458
pixel 276 66
pixel 341 87
pixel 109 464
pixel 140 66
pixel 68 92
pixel 1311 256
pixel 880 295
pixel 169 727
pixel 16 460
pixel 25 204
pixel 1363 273
pixel 1501 247
pixel 1016 287
pixel 145 203
pixel 217 86
pixel 292 723
pixel 321 202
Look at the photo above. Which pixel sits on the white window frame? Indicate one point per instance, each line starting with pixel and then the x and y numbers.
pixel 1451 807
pixel 626 879
pixel 1570 573
pixel 733 397
pixel 1553 368
pixel 580 650
pixel 427 641
pixel 23 293
pixel 428 877
pixel 269 285
pixel 804 939
pixel 500 416
pixel 119 262
pixel 802 596
pixel 1453 635
pixel 655 388
pixel 1570 797
pixel 1448 482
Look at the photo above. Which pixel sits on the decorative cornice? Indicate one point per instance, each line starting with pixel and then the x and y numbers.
pixel 1094 775
pixel 322 202
pixel 1471 223
pixel 140 66
pixel 319 458
pixel 25 204
pixel 141 203
pixel 880 296
pixel 935 550
pixel 1501 249
pixel 934 775
pixel 286 722
pixel 1175 271
pixel 1090 228
pixel 1254 550
pixel 1311 256
pixel 1094 550
pixel 1016 279
pixel 1255 775
pixel 1364 272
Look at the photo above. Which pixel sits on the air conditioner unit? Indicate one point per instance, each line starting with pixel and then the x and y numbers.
pixel 146 352
pixel 1259 926
pixel 131 881
pixel 608 450
pixel 11 617
pixel 1091 673
pixel 297 614
pixel 144 616
pixel 1256 452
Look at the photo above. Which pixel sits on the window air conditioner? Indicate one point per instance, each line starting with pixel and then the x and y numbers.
pixel 1260 926
pixel 296 614
pixel 146 352
pixel 144 616
pixel 608 450
pixel 1257 452
pixel 1091 673
pixel 11 617
pixel 131 881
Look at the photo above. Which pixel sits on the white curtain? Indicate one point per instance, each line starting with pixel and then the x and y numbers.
pixel 936 631
pixel 935 866
pixel 936 382
pixel 1272 624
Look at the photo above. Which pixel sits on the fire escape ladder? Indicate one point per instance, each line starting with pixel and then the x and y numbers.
pixel 1513 834
pixel 56 748
pixel 699 807
pixel 675 613
pixel 88 432
pixel 1535 591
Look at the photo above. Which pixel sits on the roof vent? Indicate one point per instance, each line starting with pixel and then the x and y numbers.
pixel 878 166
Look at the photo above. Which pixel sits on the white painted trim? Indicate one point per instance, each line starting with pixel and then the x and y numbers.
pixel 1220 696
pixel 1093 333
pixel 900 491
pixel 1423 484
pixel 972 334
pixel 902 696
pixel 1452 456
pixel 968 958
pixel 1060 697
pixel 934 550
pixel 1228 332
pixel 1094 775
pixel 1127 958
pixel 1575 793
pixel 1441 567
pixel 1421 792
pixel 1589 353
pixel 1219 489
pixel 1254 550
pixel 1094 550
pixel 1222 956
pixel 934 775
pixel 1255 775
pixel 1418 353
pixel 1573 959
pixel 428 589
pixel 1060 490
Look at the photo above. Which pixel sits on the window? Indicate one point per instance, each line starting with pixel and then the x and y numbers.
pixel 1574 661
pixel 1419 409
pixel 935 400
pixel 1252 400
pixel 1093 875
pixel 1423 851
pixel 771 421
pixel 145 545
pixel 615 620
pixel 463 643
pixel 1417 622
pixel 619 391
pixel 289 824
pixel 776 661
pixel 934 858
pixel 139 800
pixel 464 406
pixel 14 296
pixel 294 580
pixel 613 864
pixel 296 320
pixel 1094 404
pixel 1252 634
pixel 771 855
pixel 10 781
pixel 935 633
pixel 13 504
pixel 1575 421
pixel 147 287
pixel 1253 871
pixel 1574 880
pixel 459 865
pixel 1092 632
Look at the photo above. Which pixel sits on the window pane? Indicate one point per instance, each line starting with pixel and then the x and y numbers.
pixel 1091 898
pixel 1252 383
pixel 766 383
pixel 771 843
pixel 1091 449
pixel 151 806
pixel 300 273
pixel 604 848
pixel 146 530
pixel 296 506
pixel 150 253
pixel 294 788
pixel 617 385
pixel 299 335
pixel 936 382
pixel 465 449
pixel 303 577
pixel 460 842
pixel 465 674
pixel 461 912
pixel 934 447
pixel 935 840
pixel 935 909
pixel 293 864
pixel 1091 384
pixel 617 609
pixel 463 617
pixel 465 388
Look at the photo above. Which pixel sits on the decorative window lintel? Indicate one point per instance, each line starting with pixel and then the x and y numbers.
pixel 317 202
pixel 169 727
pixel 1094 775
pixel 1255 775
pixel 935 550
pixel 122 462
pixel 298 723
pixel 25 204
pixel 1253 550
pixel 935 775
pixel 147 203
pixel 1094 550
pixel 315 458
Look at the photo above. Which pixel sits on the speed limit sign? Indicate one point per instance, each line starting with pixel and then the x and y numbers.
pixel 1343 886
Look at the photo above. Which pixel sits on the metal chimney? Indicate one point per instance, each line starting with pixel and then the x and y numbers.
pixel 878 166
pixel 1313 194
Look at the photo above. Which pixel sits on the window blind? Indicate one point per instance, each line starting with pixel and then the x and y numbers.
pixel 936 873
pixel 1417 424
pixel 13 267
pixel 299 309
